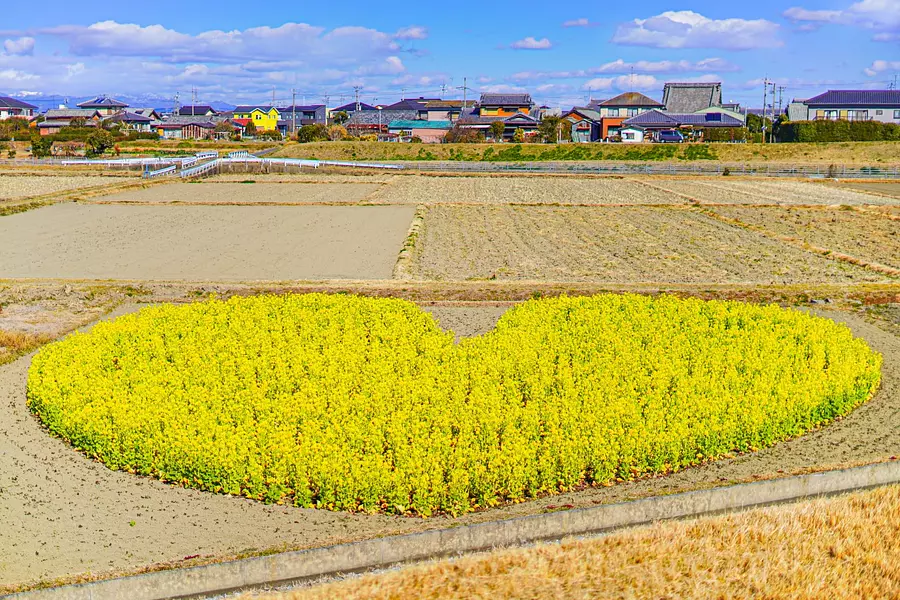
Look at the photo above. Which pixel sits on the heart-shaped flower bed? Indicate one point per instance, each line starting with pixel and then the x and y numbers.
pixel 355 403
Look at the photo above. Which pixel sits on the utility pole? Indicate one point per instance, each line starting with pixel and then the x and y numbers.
pixel 765 99
pixel 326 108
pixel 174 110
pixel 443 89
pixel 356 90
pixel 465 88
pixel 772 128
pixel 273 95
pixel 294 111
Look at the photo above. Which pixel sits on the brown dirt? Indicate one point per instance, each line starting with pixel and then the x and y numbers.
pixel 627 245
pixel 63 515
pixel 766 191
pixel 891 189
pixel 203 242
pixel 320 175
pixel 849 232
pixel 244 193
pixel 17 187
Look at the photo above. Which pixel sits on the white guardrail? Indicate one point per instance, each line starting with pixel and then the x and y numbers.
pixel 170 170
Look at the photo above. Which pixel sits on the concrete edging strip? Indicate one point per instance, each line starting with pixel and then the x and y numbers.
pixel 245 574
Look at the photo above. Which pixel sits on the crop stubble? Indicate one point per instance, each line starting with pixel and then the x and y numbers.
pixel 245 193
pixel 610 244
pixel 757 191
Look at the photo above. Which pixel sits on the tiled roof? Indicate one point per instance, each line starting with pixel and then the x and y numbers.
pixel 691 97
pixel 506 100
pixel 7 102
pixel 248 108
pixel 631 99
pixel 409 104
pixel 304 108
pixel 656 118
pixel 586 112
pixel 443 104
pixel 371 117
pixel 856 98
pixel 130 117
pixel 199 109
pixel 69 113
pixel 516 119
pixel 103 102
pixel 419 124
pixel 351 107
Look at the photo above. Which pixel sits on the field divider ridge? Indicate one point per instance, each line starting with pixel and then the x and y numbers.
pixel 306 565
pixel 405 257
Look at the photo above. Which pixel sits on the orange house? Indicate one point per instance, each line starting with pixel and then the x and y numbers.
pixel 624 106
pixel 504 105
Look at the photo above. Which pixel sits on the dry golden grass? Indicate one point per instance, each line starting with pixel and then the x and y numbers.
pixel 844 547
pixel 15 343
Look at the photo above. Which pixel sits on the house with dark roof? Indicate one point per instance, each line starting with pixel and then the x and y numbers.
pixel 10 108
pixel 57 118
pixel 185 128
pixel 505 105
pixel 585 123
pixel 855 105
pixel 146 112
pixel 351 107
pixel 104 105
pixel 197 110
pixel 691 97
pixel 264 118
pixel 615 110
pixel 473 120
pixel 132 121
pixel 300 115
pixel 657 120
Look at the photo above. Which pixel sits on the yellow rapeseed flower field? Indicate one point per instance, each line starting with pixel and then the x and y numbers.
pixel 364 404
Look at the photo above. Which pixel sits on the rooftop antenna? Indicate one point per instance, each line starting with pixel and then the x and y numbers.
pixel 356 90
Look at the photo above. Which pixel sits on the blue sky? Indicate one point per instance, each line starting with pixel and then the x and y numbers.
pixel 237 52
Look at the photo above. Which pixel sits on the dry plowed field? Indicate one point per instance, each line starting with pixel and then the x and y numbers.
pixel 64 514
pixel 245 193
pixel 861 235
pixel 757 191
pixel 310 176
pixel 605 244
pixel 203 242
pixel 522 190
pixel 15 187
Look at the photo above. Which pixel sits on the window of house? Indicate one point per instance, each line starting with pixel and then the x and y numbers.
pixel 613 112
pixel 633 112
pixel 896 114
pixel 627 135
pixel 879 112
pixel 831 114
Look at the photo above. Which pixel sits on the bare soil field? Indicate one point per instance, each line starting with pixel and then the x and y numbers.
pixel 856 234
pixel 519 190
pixel 624 245
pixel 886 188
pixel 63 514
pixel 203 242
pixel 16 187
pixel 204 192
pixel 309 176
pixel 758 191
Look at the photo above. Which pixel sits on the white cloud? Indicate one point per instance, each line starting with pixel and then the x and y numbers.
pixel 582 22
pixel 531 43
pixel 623 83
pixel 501 88
pixel 19 46
pixel 882 66
pixel 880 16
pixel 641 66
pixel 687 29
pixel 414 32
pixel 14 75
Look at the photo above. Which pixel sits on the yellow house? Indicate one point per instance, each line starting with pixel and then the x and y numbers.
pixel 265 118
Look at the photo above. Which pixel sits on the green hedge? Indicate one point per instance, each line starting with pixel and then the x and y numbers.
pixel 838 131
pixel 725 134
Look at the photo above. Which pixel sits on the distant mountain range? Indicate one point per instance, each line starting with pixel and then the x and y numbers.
pixel 45 102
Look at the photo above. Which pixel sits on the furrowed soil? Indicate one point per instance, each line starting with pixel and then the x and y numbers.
pixel 606 244
pixel 248 243
pixel 875 240
pixel 63 515
pixel 245 193
pixel 17 187
pixel 887 188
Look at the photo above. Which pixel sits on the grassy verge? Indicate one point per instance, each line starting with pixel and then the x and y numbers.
pixel 840 547
pixel 844 153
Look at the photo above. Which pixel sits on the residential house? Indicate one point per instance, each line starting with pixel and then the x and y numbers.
pixel 657 120
pixel 632 134
pixel 132 121
pixel 57 118
pixel 352 107
pixel 300 115
pixel 105 105
pixel 740 116
pixel 146 112
pixel 855 105
pixel 10 108
pixel 416 104
pixel 264 118
pixel 197 110
pixel 185 128
pixel 614 111
pixel 685 98
pixel 585 124
pixel 377 120
pixel 527 123
pixel 504 105
pixel 430 132
pixel 445 110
